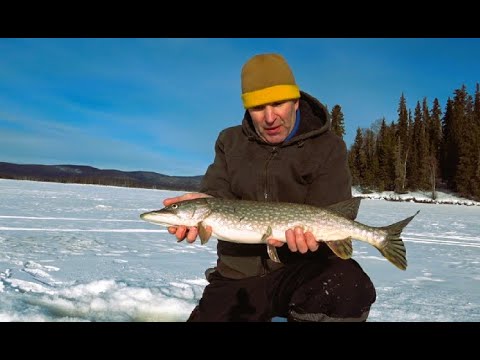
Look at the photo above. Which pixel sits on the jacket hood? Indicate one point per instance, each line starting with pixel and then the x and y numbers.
pixel 314 120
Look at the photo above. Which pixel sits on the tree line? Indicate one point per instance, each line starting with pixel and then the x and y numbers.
pixel 426 150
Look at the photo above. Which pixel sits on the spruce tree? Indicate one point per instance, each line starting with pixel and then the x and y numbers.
pixel 408 156
pixel 460 135
pixel 356 159
pixel 435 138
pixel 338 122
pixel 466 167
pixel 403 141
pixel 371 166
pixel 476 130
pixel 449 151
pixel 386 156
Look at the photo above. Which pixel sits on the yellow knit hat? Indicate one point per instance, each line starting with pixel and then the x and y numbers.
pixel 267 78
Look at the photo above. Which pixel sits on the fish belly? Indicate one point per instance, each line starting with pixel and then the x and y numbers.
pixel 238 236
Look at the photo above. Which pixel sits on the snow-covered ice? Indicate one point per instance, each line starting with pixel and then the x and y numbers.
pixel 71 252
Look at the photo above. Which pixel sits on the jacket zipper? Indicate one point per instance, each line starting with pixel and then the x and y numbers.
pixel 272 154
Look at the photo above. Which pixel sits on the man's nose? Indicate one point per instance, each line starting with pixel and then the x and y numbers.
pixel 269 114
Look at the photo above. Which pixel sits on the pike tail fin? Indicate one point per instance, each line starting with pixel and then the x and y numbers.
pixel 395 251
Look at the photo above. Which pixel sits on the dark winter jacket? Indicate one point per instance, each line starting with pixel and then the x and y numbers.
pixel 311 168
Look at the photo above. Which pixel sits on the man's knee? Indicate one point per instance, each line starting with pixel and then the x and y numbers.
pixel 345 294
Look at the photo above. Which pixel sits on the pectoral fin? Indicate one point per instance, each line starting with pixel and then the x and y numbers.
pixel 341 248
pixel 203 233
pixel 271 250
pixel 272 253
pixel 267 234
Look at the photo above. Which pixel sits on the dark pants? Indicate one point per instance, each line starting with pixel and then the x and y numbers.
pixel 330 290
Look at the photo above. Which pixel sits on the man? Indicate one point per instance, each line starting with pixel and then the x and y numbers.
pixel 283 151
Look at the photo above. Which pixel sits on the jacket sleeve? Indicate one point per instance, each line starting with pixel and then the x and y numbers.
pixel 332 182
pixel 215 182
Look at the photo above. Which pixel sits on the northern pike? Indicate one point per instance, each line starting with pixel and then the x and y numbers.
pixel 254 222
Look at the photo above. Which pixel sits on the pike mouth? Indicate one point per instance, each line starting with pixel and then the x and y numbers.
pixel 151 217
pixel 145 216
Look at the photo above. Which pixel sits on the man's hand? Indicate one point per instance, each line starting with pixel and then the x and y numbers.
pixel 182 232
pixel 297 240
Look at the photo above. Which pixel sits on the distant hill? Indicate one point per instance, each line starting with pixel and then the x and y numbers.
pixel 89 175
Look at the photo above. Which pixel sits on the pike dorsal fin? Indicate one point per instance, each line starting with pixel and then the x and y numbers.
pixel 347 208
pixel 341 248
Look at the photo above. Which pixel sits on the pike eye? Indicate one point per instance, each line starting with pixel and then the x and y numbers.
pixel 174 206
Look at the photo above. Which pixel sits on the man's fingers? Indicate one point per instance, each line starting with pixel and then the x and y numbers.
pixel 292 244
pixel 181 232
pixel 275 242
pixel 312 243
pixel 192 234
pixel 300 240
pixel 188 196
pixel 170 201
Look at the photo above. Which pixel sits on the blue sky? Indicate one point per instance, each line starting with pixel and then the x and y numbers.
pixel 159 104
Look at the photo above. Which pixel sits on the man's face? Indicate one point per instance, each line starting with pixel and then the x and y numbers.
pixel 275 121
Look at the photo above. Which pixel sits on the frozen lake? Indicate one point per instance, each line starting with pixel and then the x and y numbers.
pixel 71 252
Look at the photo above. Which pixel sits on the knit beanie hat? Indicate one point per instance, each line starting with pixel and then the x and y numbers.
pixel 267 78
